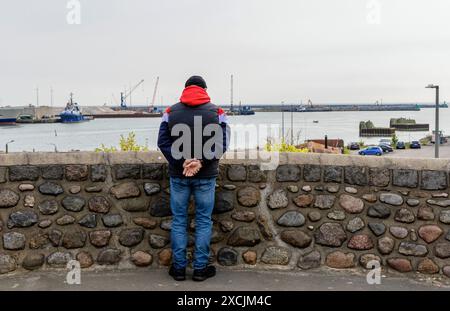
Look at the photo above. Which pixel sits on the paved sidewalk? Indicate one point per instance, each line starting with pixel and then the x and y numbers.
pixel 234 280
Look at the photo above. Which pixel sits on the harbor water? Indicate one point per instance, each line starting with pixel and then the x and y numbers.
pixel 87 136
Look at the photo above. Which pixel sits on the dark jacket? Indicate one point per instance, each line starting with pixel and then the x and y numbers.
pixel 194 102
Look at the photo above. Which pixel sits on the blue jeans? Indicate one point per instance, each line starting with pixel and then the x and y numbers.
pixel 204 194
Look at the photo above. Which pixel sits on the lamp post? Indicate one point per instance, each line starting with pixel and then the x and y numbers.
pixel 437 139
pixel 54 145
pixel 282 121
pixel 7 147
pixel 292 125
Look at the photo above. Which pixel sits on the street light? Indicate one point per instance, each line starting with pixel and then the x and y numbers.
pixel 54 145
pixel 282 121
pixel 6 147
pixel 437 139
pixel 292 125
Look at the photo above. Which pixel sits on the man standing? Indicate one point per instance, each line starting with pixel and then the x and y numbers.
pixel 193 137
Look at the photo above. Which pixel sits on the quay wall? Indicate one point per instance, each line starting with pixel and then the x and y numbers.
pixel 112 211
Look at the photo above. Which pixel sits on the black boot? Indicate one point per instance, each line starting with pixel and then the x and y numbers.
pixel 203 274
pixel 177 274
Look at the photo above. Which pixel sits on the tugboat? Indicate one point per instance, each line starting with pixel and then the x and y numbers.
pixel 72 113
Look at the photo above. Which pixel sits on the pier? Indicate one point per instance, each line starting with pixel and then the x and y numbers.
pixel 325 107
pixel 46 114
pixel 368 129
pixel 408 125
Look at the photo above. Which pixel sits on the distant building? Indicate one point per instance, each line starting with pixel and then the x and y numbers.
pixel 335 146
pixel 335 143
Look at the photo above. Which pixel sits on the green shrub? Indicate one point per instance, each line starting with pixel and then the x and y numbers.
pixel 394 140
pixel 283 147
pixel 126 144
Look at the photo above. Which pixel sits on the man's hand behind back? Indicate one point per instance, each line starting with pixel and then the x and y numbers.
pixel 191 167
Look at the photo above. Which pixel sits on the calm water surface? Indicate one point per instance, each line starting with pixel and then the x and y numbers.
pixel 89 135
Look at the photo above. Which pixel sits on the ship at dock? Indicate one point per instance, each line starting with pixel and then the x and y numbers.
pixel 8 116
pixel 240 110
pixel 72 113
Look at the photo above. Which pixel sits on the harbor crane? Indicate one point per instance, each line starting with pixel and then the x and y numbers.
pixel 232 93
pixel 152 107
pixel 125 95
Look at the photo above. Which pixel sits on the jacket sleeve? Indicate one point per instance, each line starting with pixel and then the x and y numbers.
pixel 165 141
pixel 226 136
pixel 223 122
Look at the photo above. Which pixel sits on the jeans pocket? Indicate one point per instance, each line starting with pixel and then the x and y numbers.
pixel 207 184
pixel 179 181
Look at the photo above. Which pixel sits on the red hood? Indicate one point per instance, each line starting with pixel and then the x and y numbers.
pixel 194 96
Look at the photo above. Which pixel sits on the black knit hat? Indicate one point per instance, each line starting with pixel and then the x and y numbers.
pixel 196 80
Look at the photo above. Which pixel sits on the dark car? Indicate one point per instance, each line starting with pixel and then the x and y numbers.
pixel 400 145
pixel 354 146
pixel 415 145
pixel 385 141
pixel 386 148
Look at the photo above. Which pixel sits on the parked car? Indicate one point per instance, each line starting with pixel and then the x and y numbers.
pixel 385 141
pixel 400 145
pixel 354 146
pixel 415 145
pixel 386 148
pixel 374 150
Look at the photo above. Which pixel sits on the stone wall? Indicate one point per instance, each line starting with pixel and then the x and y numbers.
pixel 112 210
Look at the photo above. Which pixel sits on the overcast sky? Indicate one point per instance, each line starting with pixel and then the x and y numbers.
pixel 285 50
